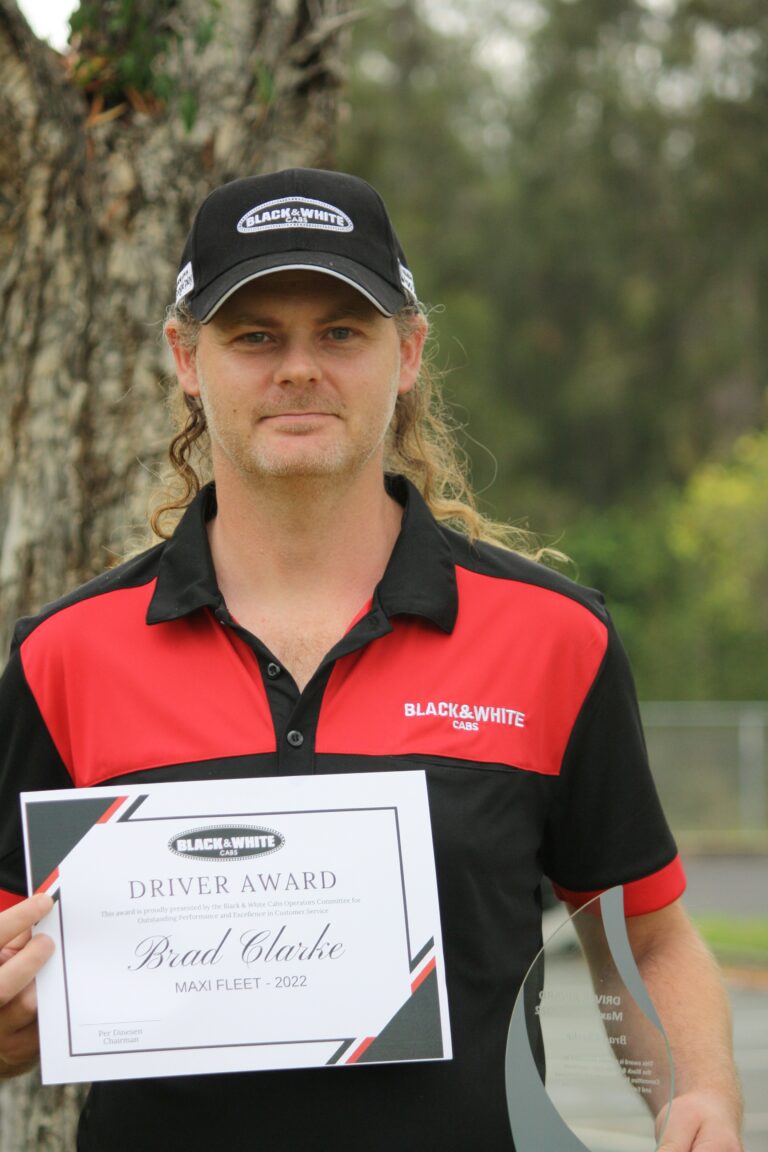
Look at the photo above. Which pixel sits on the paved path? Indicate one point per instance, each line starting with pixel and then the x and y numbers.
pixel 750 1029
pixel 738 886
pixel 727 885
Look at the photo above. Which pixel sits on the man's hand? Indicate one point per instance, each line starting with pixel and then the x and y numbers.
pixel 699 1124
pixel 706 1112
pixel 21 958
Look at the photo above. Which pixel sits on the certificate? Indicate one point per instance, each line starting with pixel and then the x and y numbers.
pixel 236 925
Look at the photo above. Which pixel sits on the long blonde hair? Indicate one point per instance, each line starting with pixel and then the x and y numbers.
pixel 422 445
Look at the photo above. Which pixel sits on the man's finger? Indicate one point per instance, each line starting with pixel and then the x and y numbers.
pixel 17 920
pixel 19 972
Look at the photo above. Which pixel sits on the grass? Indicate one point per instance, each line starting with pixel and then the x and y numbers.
pixel 736 941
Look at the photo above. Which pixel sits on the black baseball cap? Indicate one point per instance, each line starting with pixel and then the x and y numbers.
pixel 298 218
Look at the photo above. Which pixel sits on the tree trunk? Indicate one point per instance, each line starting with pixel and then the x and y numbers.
pixel 95 200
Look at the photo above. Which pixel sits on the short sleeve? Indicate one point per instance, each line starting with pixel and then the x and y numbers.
pixel 606 824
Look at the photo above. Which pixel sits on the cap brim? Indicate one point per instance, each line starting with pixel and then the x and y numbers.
pixel 384 296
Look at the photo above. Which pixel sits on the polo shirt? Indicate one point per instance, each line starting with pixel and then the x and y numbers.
pixel 503 680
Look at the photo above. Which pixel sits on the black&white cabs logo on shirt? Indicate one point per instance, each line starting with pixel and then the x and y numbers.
pixel 465 716
pixel 294 212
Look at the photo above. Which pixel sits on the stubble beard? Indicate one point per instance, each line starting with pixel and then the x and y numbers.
pixel 263 461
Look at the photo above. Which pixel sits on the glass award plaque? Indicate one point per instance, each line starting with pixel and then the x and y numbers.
pixel 588 1064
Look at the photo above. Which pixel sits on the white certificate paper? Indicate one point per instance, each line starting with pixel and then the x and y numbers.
pixel 235 925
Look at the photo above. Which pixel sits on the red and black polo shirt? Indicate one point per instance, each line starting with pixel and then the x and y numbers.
pixel 503 680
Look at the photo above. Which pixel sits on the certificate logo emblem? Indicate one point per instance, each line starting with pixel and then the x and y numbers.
pixel 226 842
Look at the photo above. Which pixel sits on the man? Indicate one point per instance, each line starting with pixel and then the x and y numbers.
pixel 312 614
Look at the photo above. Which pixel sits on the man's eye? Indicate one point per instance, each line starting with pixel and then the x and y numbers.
pixel 255 337
pixel 340 334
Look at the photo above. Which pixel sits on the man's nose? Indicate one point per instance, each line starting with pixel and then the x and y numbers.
pixel 298 363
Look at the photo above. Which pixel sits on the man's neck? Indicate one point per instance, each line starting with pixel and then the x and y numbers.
pixel 302 555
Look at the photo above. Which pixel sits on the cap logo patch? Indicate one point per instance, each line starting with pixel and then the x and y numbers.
pixel 295 212
pixel 185 282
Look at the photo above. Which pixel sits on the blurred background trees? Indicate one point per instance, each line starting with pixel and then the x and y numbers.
pixel 582 186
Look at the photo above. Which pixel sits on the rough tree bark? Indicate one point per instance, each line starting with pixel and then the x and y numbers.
pixel 94 205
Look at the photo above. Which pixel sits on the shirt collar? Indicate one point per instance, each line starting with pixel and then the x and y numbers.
pixel 419 580
pixel 186 579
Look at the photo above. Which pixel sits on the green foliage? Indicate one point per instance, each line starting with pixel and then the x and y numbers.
pixel 719 536
pixel 188 109
pixel 688 575
pixel 127 53
pixel 721 530
pixel 265 85
pixel 736 941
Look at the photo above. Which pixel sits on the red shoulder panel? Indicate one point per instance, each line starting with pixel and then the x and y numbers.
pixel 119 695
pixel 505 687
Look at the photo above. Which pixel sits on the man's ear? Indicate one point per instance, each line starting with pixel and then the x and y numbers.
pixel 411 350
pixel 185 359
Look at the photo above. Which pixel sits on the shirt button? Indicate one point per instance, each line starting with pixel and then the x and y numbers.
pixel 295 739
pixel 273 670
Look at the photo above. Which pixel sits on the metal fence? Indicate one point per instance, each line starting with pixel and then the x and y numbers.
pixel 710 761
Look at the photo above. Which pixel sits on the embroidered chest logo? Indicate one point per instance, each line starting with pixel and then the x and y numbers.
pixel 469 717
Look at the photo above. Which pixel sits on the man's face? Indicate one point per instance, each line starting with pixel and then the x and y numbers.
pixel 298 374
